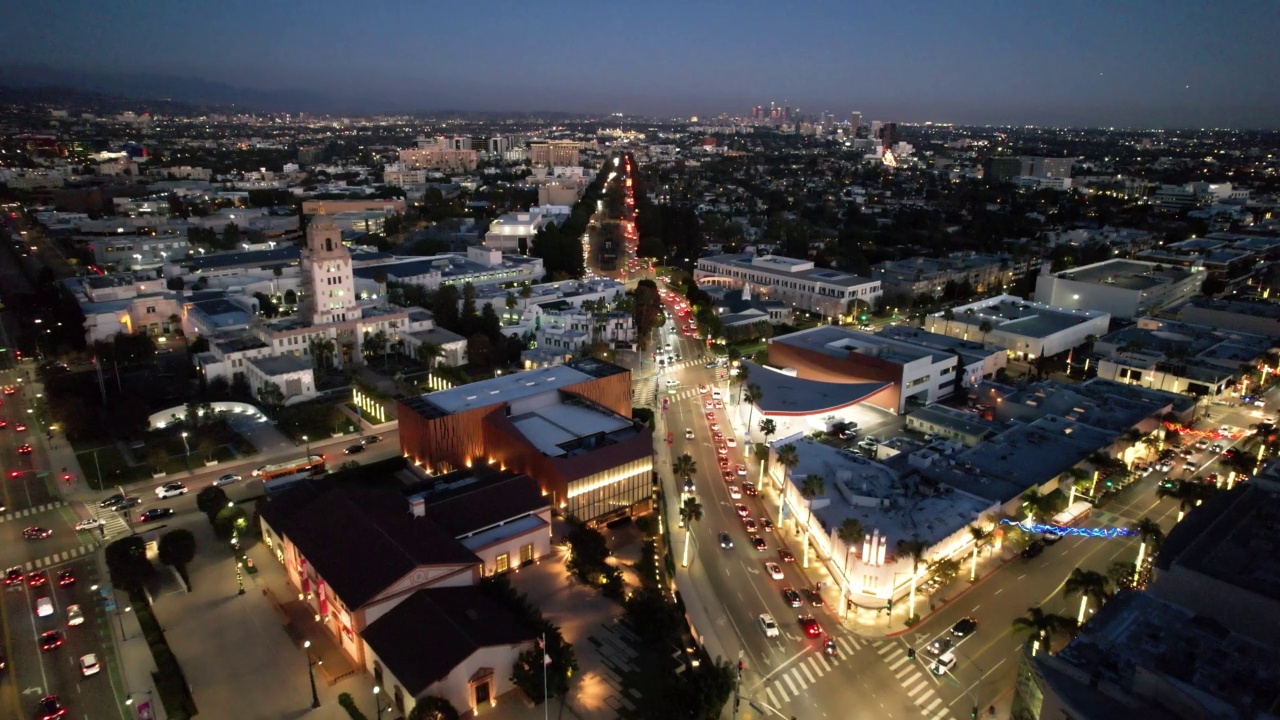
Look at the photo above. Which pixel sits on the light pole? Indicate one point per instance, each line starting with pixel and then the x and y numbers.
pixel 186 446
pixel 377 702
pixel 307 440
pixel 235 549
pixel 311 664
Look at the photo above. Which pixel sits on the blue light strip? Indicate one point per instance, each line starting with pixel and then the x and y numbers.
pixel 1107 533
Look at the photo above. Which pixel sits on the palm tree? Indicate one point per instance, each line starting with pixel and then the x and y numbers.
pixel 1188 493
pixel 752 396
pixel 850 533
pixel 985 328
pixel 1040 626
pixel 1036 503
pixel 740 379
pixel 768 428
pixel 916 550
pixel 1146 529
pixel 321 349
pixel 788 457
pixel 690 512
pixel 947 315
pixel 978 536
pixel 427 353
pixel 684 466
pixel 1089 585
pixel 811 487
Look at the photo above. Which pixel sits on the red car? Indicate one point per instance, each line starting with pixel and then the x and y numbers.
pixel 37 579
pixel 743 511
pixel 14 576
pixel 67 578
pixel 4 424
pixel 810 625
pixel 24 450
pixel 20 427
pixel 724 463
pixel 728 476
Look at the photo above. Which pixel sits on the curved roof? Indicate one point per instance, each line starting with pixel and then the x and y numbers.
pixel 788 395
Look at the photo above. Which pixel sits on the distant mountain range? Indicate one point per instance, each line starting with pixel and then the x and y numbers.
pixel 194 91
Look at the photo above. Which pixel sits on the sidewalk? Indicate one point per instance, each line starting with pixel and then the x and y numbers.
pixel 133 655
pixel 55 452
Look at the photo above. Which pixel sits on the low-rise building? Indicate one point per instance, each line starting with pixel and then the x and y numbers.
pixel 913 277
pixel 1121 288
pixel 479 266
pixel 1026 330
pixel 1178 357
pixel 1257 317
pixel 827 292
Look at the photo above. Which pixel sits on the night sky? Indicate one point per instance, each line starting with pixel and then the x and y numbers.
pixel 1149 63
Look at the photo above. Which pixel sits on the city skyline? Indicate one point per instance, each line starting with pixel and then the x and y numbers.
pixel 1076 65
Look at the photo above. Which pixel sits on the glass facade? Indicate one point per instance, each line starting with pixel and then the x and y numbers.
pixel 614 489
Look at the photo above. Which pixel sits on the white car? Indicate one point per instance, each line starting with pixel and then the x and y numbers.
pixel 703 389
pixel 226 479
pixel 168 490
pixel 74 616
pixel 672 383
pixel 769 625
pixel 89 665
pixel 90 524
pixel 688 433
pixel 774 570
pixel 731 442
pixel 735 492
pixel 944 663
pixel 715 394
pixel 44 607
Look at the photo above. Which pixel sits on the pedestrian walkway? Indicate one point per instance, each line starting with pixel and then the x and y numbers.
pixel 59 558
pixel 781 686
pixel 919 684
pixel 18 514
pixel 112 520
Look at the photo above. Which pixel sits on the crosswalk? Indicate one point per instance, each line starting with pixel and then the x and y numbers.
pixel 19 514
pixel 111 520
pixel 918 683
pixel 794 680
pixel 57 558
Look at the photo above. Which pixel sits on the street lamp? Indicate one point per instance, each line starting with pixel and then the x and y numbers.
pixel 377 701
pixel 186 446
pixel 306 440
pixel 311 664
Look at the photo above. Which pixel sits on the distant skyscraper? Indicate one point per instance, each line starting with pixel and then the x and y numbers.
pixel 855 121
pixel 888 134
pixel 875 130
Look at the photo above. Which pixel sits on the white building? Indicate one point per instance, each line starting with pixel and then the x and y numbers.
pixel 795 282
pixel 513 232
pixel 1122 288
pixel 329 293
pixel 125 303
pixel 1027 330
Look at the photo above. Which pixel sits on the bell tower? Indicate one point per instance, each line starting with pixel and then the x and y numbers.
pixel 328 287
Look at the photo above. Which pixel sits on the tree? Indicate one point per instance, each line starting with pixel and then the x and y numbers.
pixel 1089 585
pixel 127 563
pixel 944 570
pixel 948 316
pixel 433 707
pixel 811 487
pixel 1188 493
pixel 480 350
pixel 850 533
pixel 428 353
pixel 1147 530
pixel 211 501
pixel 1036 504
pixel 690 512
pixel 1040 626
pixel 444 307
pixel 177 549
pixel 230 236
pixel 984 328
pixel 271 396
pixel 321 349
pixel 915 549
pixel 684 466
pixel 527 672
pixel 788 457
pixel 978 536
pixel 512 302
pixel 752 396
pixel 227 519
pixel 470 317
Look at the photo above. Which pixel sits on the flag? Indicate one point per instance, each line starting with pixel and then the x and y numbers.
pixel 542 645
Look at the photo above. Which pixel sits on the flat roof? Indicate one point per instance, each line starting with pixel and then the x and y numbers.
pixel 963 422
pixel 281 364
pixel 838 342
pixel 552 428
pixel 1127 274
pixel 284 255
pixel 505 388
pixel 1227 539
pixel 825 276
pixel 969 350
pixel 1263 308
pixel 789 395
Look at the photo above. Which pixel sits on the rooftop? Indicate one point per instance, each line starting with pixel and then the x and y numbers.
pixel 1012 314
pixel 839 342
pixel 280 256
pixel 553 429
pixel 1127 274
pixel 970 351
pixel 790 268
pixel 785 394
pixel 281 364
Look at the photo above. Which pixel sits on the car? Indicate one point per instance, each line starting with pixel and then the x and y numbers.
pixel 726 542
pixel 170 490
pixel 728 476
pixel 719 404
pixel 944 663
pixel 709 405
pixel 3 424
pixel 723 462
pixel 710 366
pixel 712 416
pixel 74 616
pixel 718 437
pixel 90 524
pixel 809 624
pixel 50 708
pixel 814 597
pixel 715 427
pixel 13 576
pixel 36 533
pixel 20 427
pixel 44 607
pixel 688 485
pixel 786 556
pixel 1216 448
pixel 51 640
pixel 1164 466
pixel 24 450
pixel 964 627
pixel 791 597
pixel 766 524
pixel 672 383
pixel 743 510
pixel 1050 537
pixel 353 449
pixel 749 488
pixel 1224 430
pixel 769 625
pixel 9 390
pixel 731 441
pixel 749 524
pixel 688 433
pixel 1201 444
pixel 226 479
pixel 112 501
pixel 89 665
pixel 1145 470
pixel 155 514
pixel 66 578
pixel 722 450
pixel 128 502
pixel 758 543
pixel 370 439
pixel 703 389
pixel 735 492
pixel 1033 549
pixel 774 570
pixel 37 578
pixel 940 646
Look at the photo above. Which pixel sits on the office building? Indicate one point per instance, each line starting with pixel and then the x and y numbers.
pixel 827 292
pixel 1026 330
pixel 1002 169
pixel 556 152
pixel 569 427
pixel 1124 289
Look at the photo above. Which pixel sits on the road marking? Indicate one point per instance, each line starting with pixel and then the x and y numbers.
pixel 918 686
pixel 794 689
pixel 936 702
pixel 904 671
pixel 799 680
pixel 997 592
pixel 808 674
pixel 887 648
pixel 899 662
pixel 772 700
pixel 843 646
pixel 782 692
pixel 941 714
pixel 829 664
pixel 925 696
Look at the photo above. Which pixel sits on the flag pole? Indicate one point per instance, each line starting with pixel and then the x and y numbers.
pixel 546 701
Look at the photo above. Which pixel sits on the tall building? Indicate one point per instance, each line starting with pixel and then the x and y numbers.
pixel 1002 169
pixel 329 293
pixel 888 134
pixel 499 145
pixel 555 153
pixel 855 121
pixel 1043 167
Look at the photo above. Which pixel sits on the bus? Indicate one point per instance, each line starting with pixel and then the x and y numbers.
pixel 305 466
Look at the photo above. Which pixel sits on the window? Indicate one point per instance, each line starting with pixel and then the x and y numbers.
pixel 526 554
pixel 502 563
pixel 377 673
pixel 399 699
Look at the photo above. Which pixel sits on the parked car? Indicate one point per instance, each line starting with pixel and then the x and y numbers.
pixel 814 597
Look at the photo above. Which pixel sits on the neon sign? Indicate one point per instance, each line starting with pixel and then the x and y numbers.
pixel 1104 533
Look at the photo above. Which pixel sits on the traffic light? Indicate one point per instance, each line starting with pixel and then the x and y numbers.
pixel 974 714
pixel 889 605
pixel 911 653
